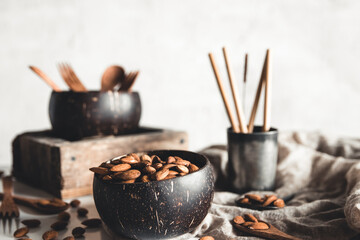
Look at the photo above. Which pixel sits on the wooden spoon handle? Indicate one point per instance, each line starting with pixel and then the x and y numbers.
pixel 44 77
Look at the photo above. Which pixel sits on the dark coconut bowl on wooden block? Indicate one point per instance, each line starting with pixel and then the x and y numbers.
pixel 75 115
pixel 157 209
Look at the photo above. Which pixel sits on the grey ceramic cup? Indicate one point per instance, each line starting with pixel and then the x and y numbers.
pixel 252 160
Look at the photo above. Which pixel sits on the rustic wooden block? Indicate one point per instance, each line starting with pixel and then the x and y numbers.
pixel 61 167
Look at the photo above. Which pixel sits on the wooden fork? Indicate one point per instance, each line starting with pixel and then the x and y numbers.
pixel 70 78
pixel 128 82
pixel 8 208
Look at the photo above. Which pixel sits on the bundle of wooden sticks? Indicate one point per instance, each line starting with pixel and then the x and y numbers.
pixel 264 82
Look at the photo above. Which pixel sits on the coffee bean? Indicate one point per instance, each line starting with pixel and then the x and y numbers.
pixel 82 212
pixel 21 232
pixel 31 223
pixel 64 216
pixel 75 203
pixel 92 223
pixel 49 235
pixel 59 225
pixel 78 232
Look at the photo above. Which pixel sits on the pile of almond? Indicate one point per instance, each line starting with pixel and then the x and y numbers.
pixel 250 222
pixel 267 200
pixel 133 168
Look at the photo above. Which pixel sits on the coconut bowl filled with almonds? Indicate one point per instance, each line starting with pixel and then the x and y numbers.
pixel 153 195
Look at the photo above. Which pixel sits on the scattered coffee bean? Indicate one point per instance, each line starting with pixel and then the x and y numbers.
pixel 21 232
pixel 31 223
pixel 75 203
pixel 69 238
pixel 64 216
pixel 82 212
pixel 59 225
pixel 50 235
pixel 78 232
pixel 92 223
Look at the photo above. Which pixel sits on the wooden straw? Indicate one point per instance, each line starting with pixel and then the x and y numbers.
pixel 239 111
pixel 267 99
pixel 257 97
pixel 221 88
pixel 244 80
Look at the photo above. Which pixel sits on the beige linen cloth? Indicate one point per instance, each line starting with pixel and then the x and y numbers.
pixel 324 174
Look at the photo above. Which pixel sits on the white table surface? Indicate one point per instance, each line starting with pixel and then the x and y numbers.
pixel 46 220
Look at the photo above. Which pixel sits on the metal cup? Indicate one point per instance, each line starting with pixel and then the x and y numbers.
pixel 252 160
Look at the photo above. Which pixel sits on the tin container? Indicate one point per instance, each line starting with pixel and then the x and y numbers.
pixel 252 160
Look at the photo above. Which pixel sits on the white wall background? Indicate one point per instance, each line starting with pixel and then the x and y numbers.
pixel 315 45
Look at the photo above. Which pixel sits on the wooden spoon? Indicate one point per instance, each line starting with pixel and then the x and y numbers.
pixel 112 76
pixel 128 82
pixel 45 206
pixel 271 233
pixel 44 77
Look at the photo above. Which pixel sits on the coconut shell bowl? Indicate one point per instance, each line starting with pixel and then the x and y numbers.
pixel 157 209
pixel 75 115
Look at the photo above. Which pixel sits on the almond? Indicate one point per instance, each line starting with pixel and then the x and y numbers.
pixel 120 167
pixel 259 226
pixel 145 157
pixel 135 156
pixel 21 232
pixel 99 170
pixel 149 170
pixel 279 203
pixel 182 169
pixel 171 159
pixel 161 174
pixel 31 223
pixel 254 197
pixel 250 217
pixel 247 224
pixel 239 220
pixel 244 200
pixel 207 238
pixel 269 200
pixel 180 161
pixel 49 235
pixel 59 225
pixel 193 167
pixel 129 160
pixel 128 175
pixel 78 232
pixel 157 166
pixel 145 178
pixel 92 223
pixel 107 178
pixel 173 173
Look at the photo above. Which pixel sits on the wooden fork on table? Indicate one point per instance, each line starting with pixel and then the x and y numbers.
pixel 8 208
pixel 70 78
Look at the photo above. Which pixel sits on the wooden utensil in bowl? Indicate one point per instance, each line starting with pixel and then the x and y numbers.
pixel 128 82
pixel 44 77
pixel 113 76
